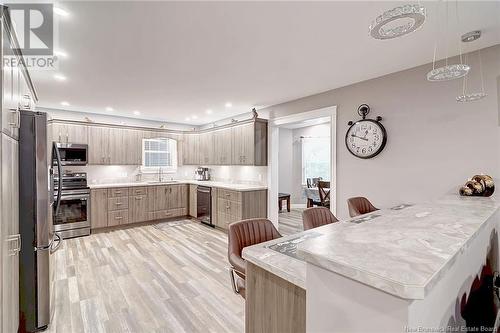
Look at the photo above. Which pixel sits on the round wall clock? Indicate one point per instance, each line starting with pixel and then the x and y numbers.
pixel 365 138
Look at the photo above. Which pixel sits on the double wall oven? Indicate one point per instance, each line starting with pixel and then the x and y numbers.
pixel 71 215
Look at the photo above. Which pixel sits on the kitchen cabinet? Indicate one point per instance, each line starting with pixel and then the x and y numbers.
pixel 193 200
pixel 98 208
pixel 117 146
pixel 243 144
pixel 235 206
pixel 223 143
pixel 170 197
pixel 191 149
pixel 9 234
pixel 133 147
pixel 69 133
pixel 98 150
pixel 10 104
pixel 138 208
pixel 206 149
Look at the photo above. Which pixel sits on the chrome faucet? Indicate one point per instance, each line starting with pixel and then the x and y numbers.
pixel 160 175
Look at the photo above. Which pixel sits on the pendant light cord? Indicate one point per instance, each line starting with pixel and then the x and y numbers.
pixel 458 23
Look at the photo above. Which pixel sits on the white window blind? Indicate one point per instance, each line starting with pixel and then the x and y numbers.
pixel 315 158
pixel 159 153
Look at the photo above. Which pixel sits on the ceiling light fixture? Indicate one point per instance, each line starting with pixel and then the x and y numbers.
pixel 447 72
pixel 398 22
pixel 470 97
pixel 64 103
pixel 208 111
pixel 228 105
pixel 194 117
pixel 60 77
pixel 188 119
pixel 109 109
pixel 60 12
pixel 137 113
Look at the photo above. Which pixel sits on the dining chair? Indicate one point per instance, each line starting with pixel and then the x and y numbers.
pixel 359 206
pixel 324 193
pixel 242 234
pixel 316 217
pixel 309 183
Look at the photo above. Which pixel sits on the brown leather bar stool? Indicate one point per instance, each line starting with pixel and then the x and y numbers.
pixel 359 206
pixel 242 234
pixel 316 217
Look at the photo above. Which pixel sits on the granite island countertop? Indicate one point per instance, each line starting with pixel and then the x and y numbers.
pixel 223 185
pixel 402 252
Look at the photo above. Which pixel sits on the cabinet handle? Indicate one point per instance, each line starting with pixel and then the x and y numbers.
pixel 118 203
pixel 59 137
pixel 138 198
pixel 118 218
pixel 67 138
pixel 16 119
pixel 118 192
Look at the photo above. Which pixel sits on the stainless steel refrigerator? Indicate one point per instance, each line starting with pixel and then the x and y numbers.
pixel 35 222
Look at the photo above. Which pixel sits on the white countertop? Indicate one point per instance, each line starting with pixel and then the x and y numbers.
pixel 223 185
pixel 402 252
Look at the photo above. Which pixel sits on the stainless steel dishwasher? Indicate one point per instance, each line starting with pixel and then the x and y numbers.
pixel 204 205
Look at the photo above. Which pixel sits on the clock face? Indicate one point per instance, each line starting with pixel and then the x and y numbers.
pixel 366 138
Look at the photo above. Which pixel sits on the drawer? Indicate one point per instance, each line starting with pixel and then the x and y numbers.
pixel 224 219
pixel 118 203
pixel 229 207
pixel 138 191
pixel 118 217
pixel 118 192
pixel 229 195
pixel 169 213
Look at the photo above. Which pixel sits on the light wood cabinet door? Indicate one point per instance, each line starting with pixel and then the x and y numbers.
pixel 223 147
pixel 191 149
pixel 98 152
pixel 161 198
pixel 9 235
pixel 98 208
pixel 243 144
pixel 138 208
pixel 69 133
pixel 117 146
pixel 177 196
pixel 207 149
pixel 133 144
pixel 193 200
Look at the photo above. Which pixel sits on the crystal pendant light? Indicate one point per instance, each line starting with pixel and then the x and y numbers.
pixel 398 22
pixel 447 72
pixel 465 96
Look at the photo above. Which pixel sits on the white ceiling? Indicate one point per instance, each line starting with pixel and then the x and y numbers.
pixel 173 60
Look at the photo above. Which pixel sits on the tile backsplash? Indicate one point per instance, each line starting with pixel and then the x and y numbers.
pixel 104 174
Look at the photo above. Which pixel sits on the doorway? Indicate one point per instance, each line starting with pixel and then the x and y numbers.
pixel 301 147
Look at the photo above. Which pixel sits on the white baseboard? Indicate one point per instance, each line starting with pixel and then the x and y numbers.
pixel 298 206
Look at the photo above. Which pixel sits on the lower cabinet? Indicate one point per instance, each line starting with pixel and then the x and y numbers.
pixel 232 206
pixel 120 206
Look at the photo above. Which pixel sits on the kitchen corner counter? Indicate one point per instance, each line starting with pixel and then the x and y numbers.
pixel 228 186
pixel 402 252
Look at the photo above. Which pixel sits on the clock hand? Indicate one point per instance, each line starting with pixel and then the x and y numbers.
pixel 366 133
pixel 359 137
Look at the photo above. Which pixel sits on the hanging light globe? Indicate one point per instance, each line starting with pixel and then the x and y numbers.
pixel 398 22
pixel 471 97
pixel 448 72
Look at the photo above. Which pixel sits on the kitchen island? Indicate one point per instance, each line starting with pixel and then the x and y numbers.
pixel 393 270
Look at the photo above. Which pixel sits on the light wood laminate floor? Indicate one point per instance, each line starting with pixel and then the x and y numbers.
pixel 143 279
pixel 290 222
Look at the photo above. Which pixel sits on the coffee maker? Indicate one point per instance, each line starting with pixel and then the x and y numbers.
pixel 201 174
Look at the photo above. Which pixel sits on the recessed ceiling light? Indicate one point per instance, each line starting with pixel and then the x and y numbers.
pixel 60 77
pixel 61 54
pixel 194 117
pixel 209 111
pixel 109 109
pixel 64 103
pixel 228 105
pixel 137 113
pixel 188 119
pixel 60 12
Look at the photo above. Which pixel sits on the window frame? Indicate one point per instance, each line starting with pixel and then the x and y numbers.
pixel 173 156
pixel 303 164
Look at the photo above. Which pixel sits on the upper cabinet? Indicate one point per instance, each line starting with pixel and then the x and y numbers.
pixel 240 144
pixel 223 147
pixel 69 133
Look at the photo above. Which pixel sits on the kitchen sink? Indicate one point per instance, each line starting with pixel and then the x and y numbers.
pixel 163 182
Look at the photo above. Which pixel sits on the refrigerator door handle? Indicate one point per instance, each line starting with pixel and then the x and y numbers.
pixel 55 151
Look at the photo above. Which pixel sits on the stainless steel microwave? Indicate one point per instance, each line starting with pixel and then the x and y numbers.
pixel 73 153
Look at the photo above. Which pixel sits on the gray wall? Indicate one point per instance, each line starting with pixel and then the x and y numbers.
pixel 434 143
